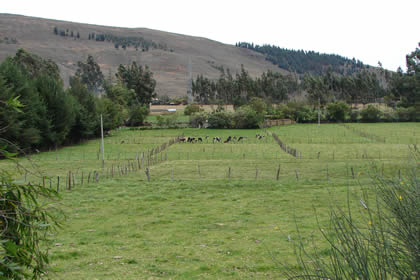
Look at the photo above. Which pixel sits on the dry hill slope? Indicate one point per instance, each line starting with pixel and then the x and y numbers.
pixel 170 67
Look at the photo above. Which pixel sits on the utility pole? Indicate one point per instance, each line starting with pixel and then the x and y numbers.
pixel 103 152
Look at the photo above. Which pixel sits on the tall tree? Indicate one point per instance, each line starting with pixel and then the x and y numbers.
pixel 140 80
pixel 90 74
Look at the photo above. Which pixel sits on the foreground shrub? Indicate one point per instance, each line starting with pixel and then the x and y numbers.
pixel 26 220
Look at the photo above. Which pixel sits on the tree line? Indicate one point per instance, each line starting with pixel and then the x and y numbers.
pixel 52 116
pixel 331 92
pixel 124 42
pixel 241 88
pixel 301 61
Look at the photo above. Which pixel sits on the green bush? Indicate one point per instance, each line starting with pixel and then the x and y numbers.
pixel 371 114
pixel 408 114
pixel 299 112
pixel 258 105
pixel 191 109
pixel 168 120
pixel 338 111
pixel 220 120
pixel 246 117
pixel 137 115
pixel 198 119
pixel 354 115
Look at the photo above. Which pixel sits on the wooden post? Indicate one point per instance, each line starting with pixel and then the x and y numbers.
pixel 229 173
pixel 352 172
pixel 147 174
pixel 278 173
pixel 198 169
pixel 82 179
pixel 58 183
pixel 89 177
pixel 172 174
pixel 297 175
pixel 256 173
pixel 69 185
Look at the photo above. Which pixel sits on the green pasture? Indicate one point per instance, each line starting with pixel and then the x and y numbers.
pixel 208 210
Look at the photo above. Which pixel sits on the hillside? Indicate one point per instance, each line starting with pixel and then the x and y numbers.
pixel 168 59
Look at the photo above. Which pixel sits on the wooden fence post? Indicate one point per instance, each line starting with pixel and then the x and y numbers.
pixel 69 186
pixel 147 174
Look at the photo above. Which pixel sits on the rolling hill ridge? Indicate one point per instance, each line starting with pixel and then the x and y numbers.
pixel 167 54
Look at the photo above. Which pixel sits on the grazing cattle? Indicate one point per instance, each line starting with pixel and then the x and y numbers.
pixel 241 138
pixel 207 138
pixel 259 136
pixel 191 139
pixel 199 139
pixel 234 138
pixel 182 139
pixel 228 139
pixel 122 142
pixel 216 139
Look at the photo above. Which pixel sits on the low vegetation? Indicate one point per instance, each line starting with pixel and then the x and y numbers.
pixel 211 210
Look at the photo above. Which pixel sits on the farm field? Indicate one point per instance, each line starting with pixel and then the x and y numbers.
pixel 208 210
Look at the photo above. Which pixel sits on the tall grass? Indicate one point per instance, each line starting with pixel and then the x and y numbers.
pixel 381 243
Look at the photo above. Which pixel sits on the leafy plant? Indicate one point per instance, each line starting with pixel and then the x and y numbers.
pixel 25 220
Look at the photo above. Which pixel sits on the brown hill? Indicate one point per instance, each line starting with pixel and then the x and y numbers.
pixel 168 63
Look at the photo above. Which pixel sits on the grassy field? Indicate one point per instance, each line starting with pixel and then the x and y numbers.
pixel 210 210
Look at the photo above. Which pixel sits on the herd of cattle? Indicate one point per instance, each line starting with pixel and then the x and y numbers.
pixel 217 139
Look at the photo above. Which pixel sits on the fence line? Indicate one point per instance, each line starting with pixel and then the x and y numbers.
pixel 286 148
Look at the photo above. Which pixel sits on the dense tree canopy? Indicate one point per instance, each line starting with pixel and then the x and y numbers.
pixel 140 80
pixel 90 74
pixel 239 90
pixel 301 62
